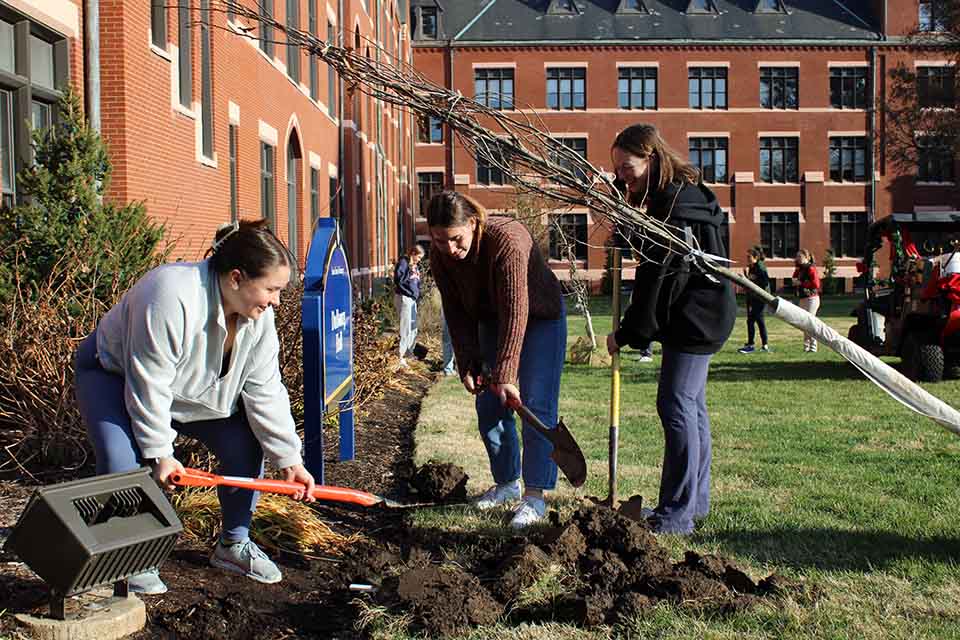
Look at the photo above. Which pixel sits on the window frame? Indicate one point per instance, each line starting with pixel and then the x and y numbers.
pixel 844 90
pixel 265 30
pixel 579 222
pixel 206 82
pixel 292 20
pixel 158 24
pixel 935 161
pixel 491 76
pixel 571 76
pixel 936 86
pixel 789 221
pixel 637 74
pixel 774 144
pixel 429 130
pixel 713 145
pixel 842 147
pixel 841 221
pixel 184 54
pixel 433 184
pixel 233 135
pixel 695 75
pixel 268 187
pixel 779 78
pixel 578 144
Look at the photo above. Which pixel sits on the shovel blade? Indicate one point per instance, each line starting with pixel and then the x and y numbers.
pixel 567 454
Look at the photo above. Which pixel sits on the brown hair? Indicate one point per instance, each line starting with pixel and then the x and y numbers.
pixel 416 250
pixel 454 209
pixel 806 256
pixel 644 140
pixel 250 246
pixel 756 251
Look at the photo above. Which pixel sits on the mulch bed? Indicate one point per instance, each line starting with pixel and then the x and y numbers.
pixel 313 600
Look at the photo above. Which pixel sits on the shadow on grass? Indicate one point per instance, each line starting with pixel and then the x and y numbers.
pixel 753 368
pixel 833 549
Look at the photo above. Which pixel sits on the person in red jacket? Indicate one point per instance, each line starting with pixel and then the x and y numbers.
pixel 807 281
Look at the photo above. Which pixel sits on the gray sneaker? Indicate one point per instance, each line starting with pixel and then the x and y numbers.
pixel 148 583
pixel 498 495
pixel 247 559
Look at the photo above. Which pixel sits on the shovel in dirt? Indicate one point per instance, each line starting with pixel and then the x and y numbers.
pixel 566 452
pixel 324 493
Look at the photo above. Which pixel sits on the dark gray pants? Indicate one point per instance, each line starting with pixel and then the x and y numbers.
pixel 682 406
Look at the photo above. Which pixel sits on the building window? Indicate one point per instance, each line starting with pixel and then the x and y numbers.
pixel 429 130
pixel 186 53
pixel 158 24
pixel 931 16
pixel 710 156
pixel 334 186
pixel 779 160
pixel 578 146
pixel 206 79
pixel 708 87
pixel 428 185
pixel 935 160
pixel 234 177
pixel 848 87
pixel 333 108
pixel 935 86
pixel 314 70
pixel 568 233
pixel 848 234
pixel 848 159
pixel 779 87
pixel 428 23
pixel 314 196
pixel 780 234
pixel 566 88
pixel 41 115
pixel 494 87
pixel 36 64
pixel 266 29
pixel 6 148
pixel 293 43
pixel 637 88
pixel 268 198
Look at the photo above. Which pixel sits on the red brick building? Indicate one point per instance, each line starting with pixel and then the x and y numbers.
pixel 208 117
pixel 780 103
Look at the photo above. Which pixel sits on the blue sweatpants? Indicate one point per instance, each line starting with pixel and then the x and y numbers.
pixel 541 363
pixel 682 406
pixel 100 397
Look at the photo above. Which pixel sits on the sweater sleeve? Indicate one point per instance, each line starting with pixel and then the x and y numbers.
pixel 513 306
pixel 267 403
pixel 155 331
pixel 463 329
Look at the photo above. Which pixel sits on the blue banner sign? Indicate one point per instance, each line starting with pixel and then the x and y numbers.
pixel 327 345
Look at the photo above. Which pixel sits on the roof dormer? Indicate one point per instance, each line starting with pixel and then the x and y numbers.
pixel 426 20
pixel 563 8
pixel 633 6
pixel 702 6
pixel 770 6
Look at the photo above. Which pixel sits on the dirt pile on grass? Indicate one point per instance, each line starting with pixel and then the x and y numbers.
pixel 613 569
pixel 440 482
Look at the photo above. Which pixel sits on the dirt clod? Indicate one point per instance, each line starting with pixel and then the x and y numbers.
pixel 440 482
pixel 444 600
pixel 519 572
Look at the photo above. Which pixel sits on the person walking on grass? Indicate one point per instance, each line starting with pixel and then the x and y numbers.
pixel 192 349
pixel 690 313
pixel 406 280
pixel 507 321
pixel 807 281
pixel 756 271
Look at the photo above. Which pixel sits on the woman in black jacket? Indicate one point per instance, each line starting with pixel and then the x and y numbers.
pixel 674 302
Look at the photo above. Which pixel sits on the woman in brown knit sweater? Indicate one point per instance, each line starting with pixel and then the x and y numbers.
pixel 507 320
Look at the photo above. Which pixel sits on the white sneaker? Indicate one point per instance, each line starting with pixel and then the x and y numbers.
pixel 645 359
pixel 530 511
pixel 498 494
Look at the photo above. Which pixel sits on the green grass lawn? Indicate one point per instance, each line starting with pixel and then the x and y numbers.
pixel 817 474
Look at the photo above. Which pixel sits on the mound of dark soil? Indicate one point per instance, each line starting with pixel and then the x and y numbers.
pixel 440 482
pixel 444 599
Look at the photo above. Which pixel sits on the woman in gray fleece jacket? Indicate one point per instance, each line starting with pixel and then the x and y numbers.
pixel 192 349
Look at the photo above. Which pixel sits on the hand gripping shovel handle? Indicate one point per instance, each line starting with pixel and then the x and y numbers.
pixel 197 478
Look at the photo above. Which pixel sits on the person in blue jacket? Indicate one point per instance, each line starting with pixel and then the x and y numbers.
pixel 675 303
pixel 406 280
pixel 191 349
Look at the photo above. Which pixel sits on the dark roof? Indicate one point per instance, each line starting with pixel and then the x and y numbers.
pixel 598 21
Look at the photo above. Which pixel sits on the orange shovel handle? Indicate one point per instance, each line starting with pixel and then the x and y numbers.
pixel 197 478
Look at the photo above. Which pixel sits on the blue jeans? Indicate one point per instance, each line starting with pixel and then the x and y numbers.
pixel 100 398
pixel 449 364
pixel 541 363
pixel 682 406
